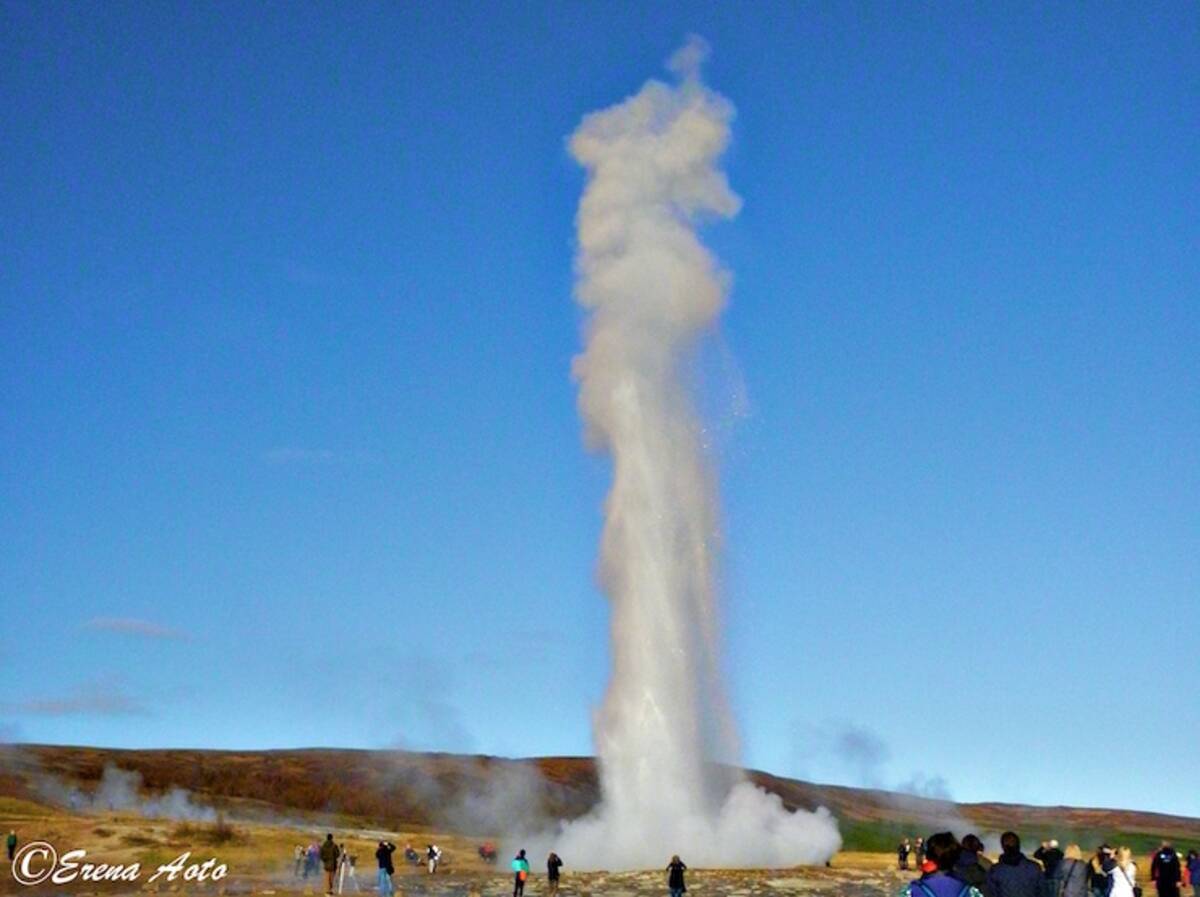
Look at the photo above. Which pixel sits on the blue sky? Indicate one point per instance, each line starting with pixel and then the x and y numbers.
pixel 290 452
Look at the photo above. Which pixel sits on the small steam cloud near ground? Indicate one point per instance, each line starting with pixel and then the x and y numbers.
pixel 664 735
pixel 120 790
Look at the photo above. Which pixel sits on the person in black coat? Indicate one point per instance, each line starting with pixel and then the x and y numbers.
pixel 553 865
pixel 1167 871
pixel 675 883
pixel 383 855
pixel 972 866
pixel 1015 875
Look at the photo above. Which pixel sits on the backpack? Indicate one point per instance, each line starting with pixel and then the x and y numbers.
pixel 928 891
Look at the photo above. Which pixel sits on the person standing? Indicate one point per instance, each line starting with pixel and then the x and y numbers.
pixel 675 882
pixel 1014 875
pixel 553 864
pixel 383 856
pixel 902 855
pixel 298 855
pixel 972 866
pixel 1166 871
pixel 944 852
pixel 433 854
pixel 919 850
pixel 1049 855
pixel 1072 876
pixel 11 843
pixel 329 853
pixel 520 868
pixel 1193 868
pixel 1123 874
pixel 346 871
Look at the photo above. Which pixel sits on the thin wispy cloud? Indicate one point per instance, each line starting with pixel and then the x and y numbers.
pixel 93 699
pixel 134 626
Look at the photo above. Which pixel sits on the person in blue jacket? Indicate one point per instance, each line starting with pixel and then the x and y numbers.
pixel 943 851
pixel 1193 868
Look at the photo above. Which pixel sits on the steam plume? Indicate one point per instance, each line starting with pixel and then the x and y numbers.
pixel 664 735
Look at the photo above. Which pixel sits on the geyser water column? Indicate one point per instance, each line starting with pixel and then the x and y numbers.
pixel 664 735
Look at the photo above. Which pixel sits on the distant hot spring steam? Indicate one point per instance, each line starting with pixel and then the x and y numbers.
pixel 664 735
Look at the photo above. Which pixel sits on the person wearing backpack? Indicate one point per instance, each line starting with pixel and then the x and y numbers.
pixel 944 852
pixel 972 866
pixel 520 868
pixel 1072 876
pixel 1166 871
pixel 1014 875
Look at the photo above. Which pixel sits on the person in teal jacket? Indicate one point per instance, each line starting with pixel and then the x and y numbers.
pixel 520 868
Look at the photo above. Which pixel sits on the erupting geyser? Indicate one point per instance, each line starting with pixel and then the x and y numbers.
pixel 664 736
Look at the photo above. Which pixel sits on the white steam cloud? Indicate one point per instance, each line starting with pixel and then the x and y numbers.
pixel 120 791
pixel 665 737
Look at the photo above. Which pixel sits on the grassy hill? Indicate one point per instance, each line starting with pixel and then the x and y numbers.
pixel 479 796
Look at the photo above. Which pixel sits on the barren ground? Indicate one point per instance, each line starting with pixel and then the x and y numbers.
pixel 259 858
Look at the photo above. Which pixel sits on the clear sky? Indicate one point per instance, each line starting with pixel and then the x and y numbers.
pixel 288 446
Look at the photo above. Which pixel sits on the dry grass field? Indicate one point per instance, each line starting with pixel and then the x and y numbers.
pixel 259 806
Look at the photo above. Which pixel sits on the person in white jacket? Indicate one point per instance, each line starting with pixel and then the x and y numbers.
pixel 1123 874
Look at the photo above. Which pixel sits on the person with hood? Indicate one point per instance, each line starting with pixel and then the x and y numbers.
pixel 675 882
pixel 383 855
pixel 553 864
pixel 1072 876
pixel 330 853
pixel 943 853
pixel 11 843
pixel 520 868
pixel 972 866
pixel 1193 870
pixel 1015 875
pixel 1166 871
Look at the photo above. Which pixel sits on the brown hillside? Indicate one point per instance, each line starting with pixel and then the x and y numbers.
pixel 474 794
